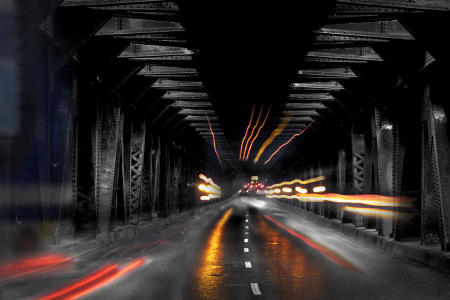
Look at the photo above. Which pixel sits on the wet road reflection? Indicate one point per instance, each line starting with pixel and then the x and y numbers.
pixel 208 277
pixel 289 268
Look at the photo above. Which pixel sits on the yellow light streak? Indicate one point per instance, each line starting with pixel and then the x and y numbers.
pixel 301 190
pixel 276 132
pixel 246 131
pixel 277 191
pixel 286 190
pixel 257 133
pixel 372 200
pixel 253 130
pixel 282 146
pixel 208 180
pixel 299 181
pixel 383 213
pixel 319 189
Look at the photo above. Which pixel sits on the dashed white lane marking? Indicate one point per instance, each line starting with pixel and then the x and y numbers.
pixel 246 232
pixel 245 249
pixel 246 227
pixel 255 289
pixel 246 220
pixel 248 265
pixel 245 240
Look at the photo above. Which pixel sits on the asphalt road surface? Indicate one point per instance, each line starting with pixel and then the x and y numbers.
pixel 245 249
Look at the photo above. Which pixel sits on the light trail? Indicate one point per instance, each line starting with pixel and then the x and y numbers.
pixel 94 281
pixel 282 146
pixel 299 181
pixel 246 131
pixel 208 180
pixel 257 133
pixel 276 132
pixel 33 265
pixel 214 140
pixel 383 213
pixel 329 254
pixel 372 200
pixel 211 189
pixel 253 130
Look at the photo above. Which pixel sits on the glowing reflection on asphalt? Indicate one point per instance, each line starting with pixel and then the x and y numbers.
pixel 209 273
pixel 289 268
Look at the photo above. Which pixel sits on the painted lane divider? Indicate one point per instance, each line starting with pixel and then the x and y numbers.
pixel 246 250
pixel 246 232
pixel 245 240
pixel 246 220
pixel 255 289
pixel 246 227
pixel 248 265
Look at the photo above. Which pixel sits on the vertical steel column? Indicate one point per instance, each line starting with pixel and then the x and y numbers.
pixel 108 129
pixel 137 149
pixel 385 167
pixel 436 195
pixel 358 167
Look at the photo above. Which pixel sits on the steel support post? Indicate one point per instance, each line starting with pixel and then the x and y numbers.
pixel 358 168
pixel 436 193
pixel 137 150
pixel 107 138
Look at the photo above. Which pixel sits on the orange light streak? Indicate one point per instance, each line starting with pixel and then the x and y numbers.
pixel 329 254
pixel 253 130
pixel 372 200
pixel 94 281
pixel 257 133
pixel 208 180
pixel 315 179
pixel 246 131
pixel 292 137
pixel 276 132
pixel 214 140
pixel 383 213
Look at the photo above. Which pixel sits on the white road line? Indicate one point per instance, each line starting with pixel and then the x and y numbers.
pixel 255 289
pixel 246 227
pixel 245 249
pixel 246 220
pixel 245 240
pixel 248 265
pixel 246 232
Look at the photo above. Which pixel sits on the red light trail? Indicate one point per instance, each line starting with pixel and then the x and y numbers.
pixel 257 133
pixel 324 251
pixel 253 130
pixel 214 140
pixel 246 131
pixel 94 281
pixel 33 265
pixel 292 137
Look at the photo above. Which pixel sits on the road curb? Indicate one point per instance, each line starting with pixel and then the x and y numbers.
pixel 130 231
pixel 433 258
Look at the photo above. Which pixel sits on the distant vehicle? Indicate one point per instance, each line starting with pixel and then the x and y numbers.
pixel 253 190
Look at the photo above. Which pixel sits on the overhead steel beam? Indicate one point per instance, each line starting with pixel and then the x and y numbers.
pixel 183 95
pixel 327 57
pixel 330 73
pixel 148 32
pixel 311 97
pixel 200 118
pixel 91 3
pixel 339 35
pixel 166 84
pixel 317 86
pixel 168 72
pixel 309 105
pixel 191 104
pixel 207 112
pixel 383 6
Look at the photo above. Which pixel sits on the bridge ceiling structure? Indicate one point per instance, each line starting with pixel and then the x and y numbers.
pixel 199 71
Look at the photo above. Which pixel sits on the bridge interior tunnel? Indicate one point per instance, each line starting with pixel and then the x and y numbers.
pixel 127 113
